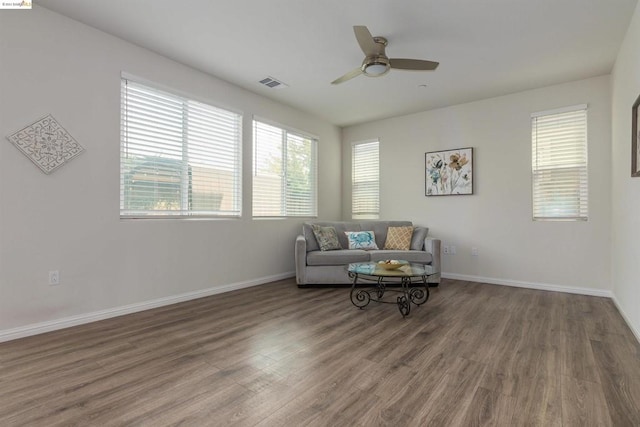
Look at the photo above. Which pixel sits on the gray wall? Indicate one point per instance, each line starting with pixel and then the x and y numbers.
pixel 625 256
pixel 69 220
pixel 497 219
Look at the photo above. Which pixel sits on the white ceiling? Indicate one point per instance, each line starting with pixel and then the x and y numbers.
pixel 485 48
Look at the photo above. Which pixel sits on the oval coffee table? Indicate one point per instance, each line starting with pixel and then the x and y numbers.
pixel 372 274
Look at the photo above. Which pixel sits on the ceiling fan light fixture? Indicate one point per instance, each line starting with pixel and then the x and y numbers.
pixel 375 69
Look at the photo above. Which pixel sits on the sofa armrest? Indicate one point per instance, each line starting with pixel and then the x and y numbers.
pixel 301 259
pixel 433 247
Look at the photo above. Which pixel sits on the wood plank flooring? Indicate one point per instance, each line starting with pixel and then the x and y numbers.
pixel 275 355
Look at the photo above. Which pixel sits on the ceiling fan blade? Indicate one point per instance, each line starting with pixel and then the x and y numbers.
pixel 365 40
pixel 351 74
pixel 413 64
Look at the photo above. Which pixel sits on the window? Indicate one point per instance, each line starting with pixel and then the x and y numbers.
pixel 284 172
pixel 559 164
pixel 365 180
pixel 179 157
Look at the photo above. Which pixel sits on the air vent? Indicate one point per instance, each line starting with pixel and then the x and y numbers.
pixel 273 83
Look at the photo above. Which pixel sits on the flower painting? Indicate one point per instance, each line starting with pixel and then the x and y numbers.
pixel 449 172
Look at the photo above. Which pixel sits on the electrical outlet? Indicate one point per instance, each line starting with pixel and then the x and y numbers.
pixel 445 250
pixel 474 251
pixel 54 277
pixel 452 250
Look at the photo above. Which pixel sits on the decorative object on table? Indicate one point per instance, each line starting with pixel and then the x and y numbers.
pixel 449 172
pixel 635 139
pixel 392 264
pixel 46 143
pixel 361 240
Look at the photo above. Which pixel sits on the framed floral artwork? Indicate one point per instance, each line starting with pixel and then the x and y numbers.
pixel 449 172
pixel 635 140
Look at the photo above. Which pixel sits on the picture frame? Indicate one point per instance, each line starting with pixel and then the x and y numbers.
pixel 635 140
pixel 449 172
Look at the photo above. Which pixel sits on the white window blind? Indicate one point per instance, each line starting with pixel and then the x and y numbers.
pixel 365 180
pixel 179 157
pixel 559 164
pixel 284 172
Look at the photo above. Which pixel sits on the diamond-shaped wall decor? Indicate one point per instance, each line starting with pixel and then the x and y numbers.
pixel 46 143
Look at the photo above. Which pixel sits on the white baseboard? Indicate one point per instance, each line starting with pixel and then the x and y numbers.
pixel 530 285
pixel 53 325
pixel 626 318
pixel 547 287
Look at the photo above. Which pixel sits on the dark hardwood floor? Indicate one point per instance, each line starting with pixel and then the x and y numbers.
pixel 276 355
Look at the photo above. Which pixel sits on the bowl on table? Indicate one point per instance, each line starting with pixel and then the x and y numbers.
pixel 391 264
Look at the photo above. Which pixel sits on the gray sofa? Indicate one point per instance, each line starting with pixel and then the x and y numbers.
pixel 314 266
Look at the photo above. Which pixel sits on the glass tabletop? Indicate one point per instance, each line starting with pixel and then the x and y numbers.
pixel 406 270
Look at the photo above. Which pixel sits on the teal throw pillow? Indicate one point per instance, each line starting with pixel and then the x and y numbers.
pixel 327 237
pixel 361 239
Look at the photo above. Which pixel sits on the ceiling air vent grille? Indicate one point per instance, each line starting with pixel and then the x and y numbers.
pixel 273 83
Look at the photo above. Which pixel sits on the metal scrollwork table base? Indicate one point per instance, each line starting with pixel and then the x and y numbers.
pixel 370 273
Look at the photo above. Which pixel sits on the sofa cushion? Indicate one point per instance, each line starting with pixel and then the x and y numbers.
pixel 417 240
pixel 411 256
pixel 307 232
pixel 361 240
pixel 339 257
pixel 326 237
pixel 398 238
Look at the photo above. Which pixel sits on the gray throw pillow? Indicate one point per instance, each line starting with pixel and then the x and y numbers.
pixel 327 237
pixel 417 240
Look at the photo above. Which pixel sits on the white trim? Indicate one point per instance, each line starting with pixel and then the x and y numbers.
pixel 530 285
pixel 559 110
pixel 67 322
pixel 81 319
pixel 548 287
pixel 626 318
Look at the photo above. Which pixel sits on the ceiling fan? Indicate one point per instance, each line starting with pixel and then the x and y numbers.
pixel 376 63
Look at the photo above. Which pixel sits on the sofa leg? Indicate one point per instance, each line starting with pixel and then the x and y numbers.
pixel 433 285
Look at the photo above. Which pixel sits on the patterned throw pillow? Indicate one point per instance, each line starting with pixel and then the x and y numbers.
pixel 398 238
pixel 361 239
pixel 327 237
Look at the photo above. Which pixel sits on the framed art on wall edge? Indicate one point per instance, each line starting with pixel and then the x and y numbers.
pixel 635 137
pixel 449 172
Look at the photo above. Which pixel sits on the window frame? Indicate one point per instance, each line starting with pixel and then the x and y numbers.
pixel 185 99
pixel 366 215
pixel 286 130
pixel 578 164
